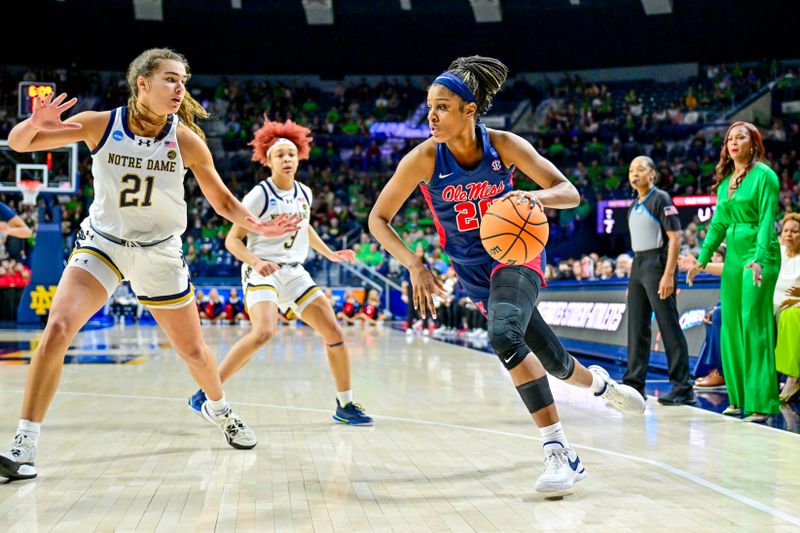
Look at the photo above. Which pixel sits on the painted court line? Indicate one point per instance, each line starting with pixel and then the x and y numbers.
pixel 746 500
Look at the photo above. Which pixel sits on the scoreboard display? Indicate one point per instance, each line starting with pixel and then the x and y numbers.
pixel 28 91
pixel 612 215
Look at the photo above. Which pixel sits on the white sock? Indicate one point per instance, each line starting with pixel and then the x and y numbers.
pixel 554 433
pixel 598 383
pixel 344 397
pixel 30 430
pixel 219 407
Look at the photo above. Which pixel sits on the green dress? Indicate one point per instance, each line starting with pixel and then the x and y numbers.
pixel 747 223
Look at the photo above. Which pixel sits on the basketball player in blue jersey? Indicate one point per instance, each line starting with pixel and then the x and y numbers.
pixel 140 155
pixel 461 170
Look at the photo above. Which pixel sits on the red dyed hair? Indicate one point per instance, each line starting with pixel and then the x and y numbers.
pixel 271 131
pixel 725 165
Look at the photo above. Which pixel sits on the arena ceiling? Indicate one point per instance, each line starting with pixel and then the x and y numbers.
pixel 398 36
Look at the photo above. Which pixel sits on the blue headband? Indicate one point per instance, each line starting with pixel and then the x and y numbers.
pixel 455 84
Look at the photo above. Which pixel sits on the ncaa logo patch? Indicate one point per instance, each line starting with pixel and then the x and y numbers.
pixel 117 135
pixel 496 165
pixel 273 201
pixel 172 154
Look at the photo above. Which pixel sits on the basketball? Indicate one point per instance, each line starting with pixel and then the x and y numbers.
pixel 514 233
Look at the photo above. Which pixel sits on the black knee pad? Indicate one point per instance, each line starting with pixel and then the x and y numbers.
pixel 536 394
pixel 558 365
pixel 549 350
pixel 506 334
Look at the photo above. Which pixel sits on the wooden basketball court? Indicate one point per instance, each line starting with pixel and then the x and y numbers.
pixel 453 448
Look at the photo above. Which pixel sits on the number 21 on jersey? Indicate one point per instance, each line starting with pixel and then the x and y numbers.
pixel 468 217
pixel 129 196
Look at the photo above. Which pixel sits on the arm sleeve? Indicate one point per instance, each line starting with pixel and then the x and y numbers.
pixel 667 213
pixel 767 203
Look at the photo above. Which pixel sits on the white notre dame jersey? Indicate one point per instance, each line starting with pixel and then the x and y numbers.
pixel 138 182
pixel 266 201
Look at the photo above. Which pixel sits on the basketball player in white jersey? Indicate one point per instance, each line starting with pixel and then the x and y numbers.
pixel 273 276
pixel 141 153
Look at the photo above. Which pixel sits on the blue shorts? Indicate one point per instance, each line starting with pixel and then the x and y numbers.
pixel 477 279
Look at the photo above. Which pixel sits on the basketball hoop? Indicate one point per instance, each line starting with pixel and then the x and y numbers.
pixel 30 190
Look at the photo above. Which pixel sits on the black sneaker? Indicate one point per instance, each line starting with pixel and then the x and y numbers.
pixel 686 398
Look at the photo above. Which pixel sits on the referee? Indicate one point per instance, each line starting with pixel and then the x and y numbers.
pixel 655 238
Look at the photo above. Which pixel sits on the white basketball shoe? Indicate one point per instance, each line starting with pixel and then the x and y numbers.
pixel 562 468
pixel 624 398
pixel 237 433
pixel 17 461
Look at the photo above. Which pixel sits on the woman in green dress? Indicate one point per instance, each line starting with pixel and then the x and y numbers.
pixel 747 200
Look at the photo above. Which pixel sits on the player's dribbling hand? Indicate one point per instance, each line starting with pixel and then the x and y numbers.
pixel 265 268
pixel 46 114
pixel 343 255
pixel 524 197
pixel 275 227
pixel 424 286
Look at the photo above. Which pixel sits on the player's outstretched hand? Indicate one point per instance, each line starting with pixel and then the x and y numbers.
pixel 275 227
pixel 344 255
pixel 425 285
pixel 47 112
pixel 793 292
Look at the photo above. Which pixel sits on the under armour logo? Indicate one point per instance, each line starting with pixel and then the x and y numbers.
pixel 144 142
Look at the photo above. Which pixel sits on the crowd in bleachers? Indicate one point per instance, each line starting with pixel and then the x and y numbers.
pixel 590 130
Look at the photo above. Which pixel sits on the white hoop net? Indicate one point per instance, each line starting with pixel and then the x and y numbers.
pixel 30 190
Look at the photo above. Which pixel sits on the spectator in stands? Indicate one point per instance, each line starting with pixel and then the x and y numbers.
pixel 748 339
pixel 623 266
pixel 124 304
pixel 234 308
pixel 606 270
pixel 373 257
pixel 578 272
pixel 370 312
pixel 550 273
pixel 787 309
pixel 690 244
pixel 350 309
pixel 214 309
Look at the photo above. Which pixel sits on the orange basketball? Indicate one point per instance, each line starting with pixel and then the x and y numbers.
pixel 514 233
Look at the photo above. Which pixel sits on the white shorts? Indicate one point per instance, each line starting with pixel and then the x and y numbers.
pixel 291 287
pixel 158 274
